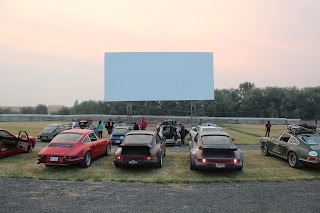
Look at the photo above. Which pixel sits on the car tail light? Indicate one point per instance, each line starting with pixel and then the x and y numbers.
pixel 119 157
pixel 312 158
pixel 236 160
pixel 203 160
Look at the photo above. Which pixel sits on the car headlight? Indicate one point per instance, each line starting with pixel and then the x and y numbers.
pixel 121 138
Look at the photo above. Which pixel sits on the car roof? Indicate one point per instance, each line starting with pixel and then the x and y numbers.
pixel 55 125
pixel 139 132
pixel 212 127
pixel 214 132
pixel 79 131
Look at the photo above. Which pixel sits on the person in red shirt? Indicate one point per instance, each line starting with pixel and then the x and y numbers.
pixel 143 124
pixel 268 127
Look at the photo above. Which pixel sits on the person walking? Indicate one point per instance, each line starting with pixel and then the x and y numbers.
pixel 109 126
pixel 143 124
pixel 100 129
pixel 268 128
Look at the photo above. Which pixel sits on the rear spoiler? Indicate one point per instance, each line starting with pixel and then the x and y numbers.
pixel 135 145
pixel 231 148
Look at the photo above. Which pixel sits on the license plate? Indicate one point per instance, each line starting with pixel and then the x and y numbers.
pixel 54 158
pixel 220 165
pixel 133 162
pixel 117 141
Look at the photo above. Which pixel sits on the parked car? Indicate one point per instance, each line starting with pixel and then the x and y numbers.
pixel 118 134
pixel 74 146
pixel 87 124
pixel 195 130
pixel 212 124
pixel 12 144
pixel 214 150
pixel 298 144
pixel 165 122
pixel 141 147
pixel 167 131
pixel 50 131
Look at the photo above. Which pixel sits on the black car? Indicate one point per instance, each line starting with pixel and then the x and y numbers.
pixel 50 131
pixel 118 134
pixel 141 147
pixel 214 150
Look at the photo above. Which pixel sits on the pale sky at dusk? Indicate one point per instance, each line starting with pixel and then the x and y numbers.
pixel 52 52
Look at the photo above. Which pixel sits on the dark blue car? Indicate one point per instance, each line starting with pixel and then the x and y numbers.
pixel 118 134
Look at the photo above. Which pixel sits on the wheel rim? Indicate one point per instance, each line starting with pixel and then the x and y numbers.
pixel 88 159
pixel 293 159
pixel 31 147
pixel 264 149
pixel 160 161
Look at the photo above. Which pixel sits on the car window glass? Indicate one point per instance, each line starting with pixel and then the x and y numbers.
pixel 86 139
pixel 285 137
pixel 93 136
pixel 216 140
pixel 293 140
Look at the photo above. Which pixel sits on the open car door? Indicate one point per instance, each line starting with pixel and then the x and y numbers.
pixel 23 141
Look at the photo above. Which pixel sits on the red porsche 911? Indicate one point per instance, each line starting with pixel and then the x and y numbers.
pixel 12 144
pixel 74 146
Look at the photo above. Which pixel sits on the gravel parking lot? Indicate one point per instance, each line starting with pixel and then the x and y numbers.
pixel 22 195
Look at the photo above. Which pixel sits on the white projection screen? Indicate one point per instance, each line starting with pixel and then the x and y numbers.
pixel 158 76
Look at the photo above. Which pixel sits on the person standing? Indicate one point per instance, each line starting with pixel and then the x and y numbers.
pixel 143 124
pixel 268 128
pixel 100 129
pixel 135 126
pixel 183 133
pixel 73 124
pixel 109 126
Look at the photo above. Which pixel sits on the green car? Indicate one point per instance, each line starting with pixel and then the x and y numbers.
pixel 297 144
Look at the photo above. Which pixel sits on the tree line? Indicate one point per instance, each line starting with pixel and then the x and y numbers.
pixel 244 101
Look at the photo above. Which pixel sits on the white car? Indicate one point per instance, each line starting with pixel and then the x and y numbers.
pixel 195 130
pixel 211 124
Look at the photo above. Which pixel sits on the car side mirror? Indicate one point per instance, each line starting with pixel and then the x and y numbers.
pixel 233 140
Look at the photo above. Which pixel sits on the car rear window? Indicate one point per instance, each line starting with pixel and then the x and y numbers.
pixel 138 138
pixel 311 139
pixel 119 131
pixel 49 128
pixel 216 140
pixel 67 137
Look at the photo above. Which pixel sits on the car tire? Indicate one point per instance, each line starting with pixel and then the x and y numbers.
pixel 108 150
pixel 30 148
pixel 293 160
pixel 165 150
pixel 160 160
pixel 86 161
pixel 192 166
pixel 264 149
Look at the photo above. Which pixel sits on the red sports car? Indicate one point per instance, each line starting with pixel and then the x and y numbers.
pixel 74 146
pixel 12 144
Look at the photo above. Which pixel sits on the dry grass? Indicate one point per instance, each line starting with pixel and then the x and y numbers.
pixel 175 170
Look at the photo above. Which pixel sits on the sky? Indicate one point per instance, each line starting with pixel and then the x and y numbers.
pixel 52 51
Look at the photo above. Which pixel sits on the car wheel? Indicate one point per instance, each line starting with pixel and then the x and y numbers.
pixel 108 150
pixel 86 161
pixel 293 160
pixel 264 149
pixel 165 150
pixel 30 148
pixel 192 166
pixel 160 160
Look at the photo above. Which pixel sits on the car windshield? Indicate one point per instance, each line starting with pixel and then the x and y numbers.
pixel 67 137
pixel 313 139
pixel 216 140
pixel 49 128
pixel 138 138
pixel 119 131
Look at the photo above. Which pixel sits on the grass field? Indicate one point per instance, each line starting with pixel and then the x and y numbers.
pixel 175 169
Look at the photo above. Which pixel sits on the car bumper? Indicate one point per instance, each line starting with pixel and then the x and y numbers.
pixel 62 160
pixel 135 162
pixel 213 166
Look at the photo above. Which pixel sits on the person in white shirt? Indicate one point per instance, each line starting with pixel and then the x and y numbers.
pixel 73 125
